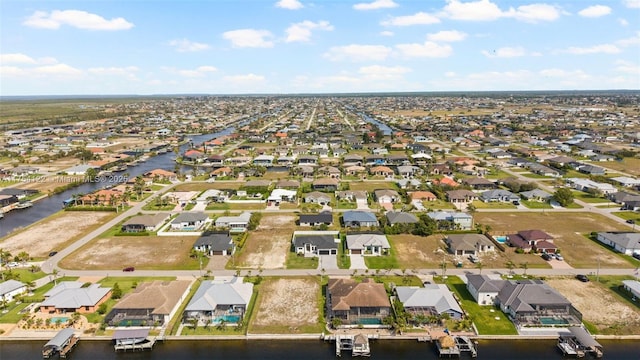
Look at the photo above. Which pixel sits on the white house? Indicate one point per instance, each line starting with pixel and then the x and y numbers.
pixel 10 289
pixel 484 289
pixel 625 242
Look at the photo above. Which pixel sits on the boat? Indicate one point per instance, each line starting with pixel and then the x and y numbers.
pixel 1 215
pixel 119 168
pixel 23 205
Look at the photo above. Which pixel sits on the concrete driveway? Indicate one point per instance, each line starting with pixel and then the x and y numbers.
pixel 328 262
pixel 357 262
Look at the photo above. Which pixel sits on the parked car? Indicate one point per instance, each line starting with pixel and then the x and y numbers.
pixel 474 259
pixel 559 257
pixel 12 264
pixel 636 255
pixel 582 278
pixel 516 202
pixel 53 253
pixel 631 221
pixel 546 256
pixel 129 269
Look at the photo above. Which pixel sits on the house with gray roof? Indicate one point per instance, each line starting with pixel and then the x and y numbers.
pixel 71 296
pixel 323 218
pixel 398 217
pixel 215 243
pixel 370 243
pixel 314 243
pixel 625 242
pixel 218 302
pixel 536 195
pixel 359 219
pixel 460 220
pixel 431 300
pixel 317 197
pixel 190 221
pixel 483 288
pixel 238 223
pixel 498 195
pixel 11 288
pixel 145 222
pixel 469 244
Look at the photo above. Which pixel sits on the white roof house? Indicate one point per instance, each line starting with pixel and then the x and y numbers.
pixel 435 298
pixel 10 288
pixel 367 244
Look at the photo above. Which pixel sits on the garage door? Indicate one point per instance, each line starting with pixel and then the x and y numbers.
pixel 324 252
pixel 357 252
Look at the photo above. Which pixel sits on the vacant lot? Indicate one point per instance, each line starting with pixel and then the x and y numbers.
pixel 201 186
pixel 371 186
pixel 417 252
pixel 54 233
pixel 627 165
pixel 268 245
pixel 287 306
pixel 142 252
pixel 599 306
pixel 568 230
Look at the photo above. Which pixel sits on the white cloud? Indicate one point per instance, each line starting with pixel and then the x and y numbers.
pixel 447 36
pixel 249 38
pixel 302 31
pixel 245 78
pixel 596 49
pixel 289 4
pixel 378 72
pixel 482 10
pixel 113 70
pixel 357 53
pixel 428 49
pixel 185 45
pixel 627 67
pixel 595 11
pixel 11 71
pixel 633 4
pixel 386 33
pixel 58 69
pixel 16 59
pixel 375 5
pixel 505 52
pixel 75 18
pixel 630 41
pixel 485 10
pixel 623 22
pixel 420 18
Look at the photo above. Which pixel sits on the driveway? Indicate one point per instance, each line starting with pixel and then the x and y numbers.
pixel 361 204
pixel 357 262
pixel 328 262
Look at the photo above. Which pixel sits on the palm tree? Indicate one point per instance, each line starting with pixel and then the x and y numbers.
pixel 24 257
pixel 55 273
pixel 524 266
pixel 4 257
pixel 479 266
pixel 510 266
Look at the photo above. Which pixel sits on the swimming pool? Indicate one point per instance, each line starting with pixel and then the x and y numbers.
pixel 227 318
pixel 501 239
pixel 369 321
pixel 553 321
pixel 59 319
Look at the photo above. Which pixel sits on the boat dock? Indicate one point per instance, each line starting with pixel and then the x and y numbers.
pixel 454 346
pixel 357 344
pixel 62 344
pixel 578 342
pixel 133 339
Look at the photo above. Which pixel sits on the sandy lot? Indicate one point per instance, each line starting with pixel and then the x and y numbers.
pixel 150 252
pixel 416 252
pixel 287 302
pixel 267 247
pixel 43 237
pixel 599 306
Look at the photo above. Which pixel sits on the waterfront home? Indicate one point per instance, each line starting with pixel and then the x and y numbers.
pixel 536 240
pixel 483 288
pixel 359 219
pixel 624 242
pixel 190 221
pixel 73 297
pixel 351 303
pixel 431 300
pixel 398 217
pixel 146 222
pixel 219 301
pixel 314 243
pixel 368 243
pixel 460 220
pixel 468 244
pixel 18 193
pixel 215 243
pixel 150 303
pixel 323 218
pixel 161 175
pixel 11 288
pixel 238 223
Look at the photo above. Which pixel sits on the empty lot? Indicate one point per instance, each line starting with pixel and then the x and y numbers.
pixel 268 245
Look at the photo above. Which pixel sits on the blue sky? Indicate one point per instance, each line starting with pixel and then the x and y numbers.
pixel 320 46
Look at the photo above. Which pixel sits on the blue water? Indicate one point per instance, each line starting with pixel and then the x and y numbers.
pixel 227 318
pixel 501 239
pixel 369 321
pixel 59 320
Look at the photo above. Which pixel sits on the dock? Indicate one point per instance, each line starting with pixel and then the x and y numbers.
pixel 454 346
pixel 578 342
pixel 133 339
pixel 62 343
pixel 357 344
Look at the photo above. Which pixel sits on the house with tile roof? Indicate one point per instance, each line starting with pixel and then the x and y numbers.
pixel 356 304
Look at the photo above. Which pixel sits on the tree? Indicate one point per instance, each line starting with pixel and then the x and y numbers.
pixel 23 257
pixel 116 292
pixel 479 266
pixel 563 196
pixel 524 266
pixel 510 266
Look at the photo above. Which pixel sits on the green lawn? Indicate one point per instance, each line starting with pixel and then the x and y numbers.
pixel 24 274
pixel 588 198
pixel 13 315
pixel 382 262
pixel 295 261
pixel 628 215
pixel 493 205
pixel 487 322
pixel 536 204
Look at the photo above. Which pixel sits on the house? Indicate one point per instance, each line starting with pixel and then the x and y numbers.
pixel 238 223
pixel 536 195
pixel 330 171
pixel 288 184
pixel 146 222
pixel 314 243
pixel 381 171
pixel 387 196
pixel 536 240
pixel 281 195
pixel 431 300
pixel 190 221
pixel 590 185
pixel 478 183
pixel 632 286
pixel 354 303
pixel 73 297
pixel 422 196
pixel 460 220
pixel 352 195
pixel 397 217
pixel 215 243
pixel 316 197
pixel 408 183
pixel 498 195
pixel 626 181
pixel 218 302
pixel 359 219
pixel 323 218
pixel 370 243
pixel 484 289
pixel 624 242
pixel 325 184
pixel 161 174
pixel 221 172
pixel 354 170
pixel 468 244
pixel 151 303
pixel 461 196
pixel 10 289
pixel 263 160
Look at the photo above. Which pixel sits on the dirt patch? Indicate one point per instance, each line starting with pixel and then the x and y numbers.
pixel 268 245
pixel 417 252
pixel 43 237
pixel 568 230
pixel 141 252
pixel 287 302
pixel 599 306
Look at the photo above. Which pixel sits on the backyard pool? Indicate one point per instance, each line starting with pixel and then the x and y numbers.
pixel 371 321
pixel 501 239
pixel 59 319
pixel 227 318
pixel 553 321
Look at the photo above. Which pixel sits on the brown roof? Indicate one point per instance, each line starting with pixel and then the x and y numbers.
pixel 161 296
pixel 347 293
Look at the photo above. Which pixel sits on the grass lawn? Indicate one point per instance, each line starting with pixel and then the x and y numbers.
pixel 417 252
pixel 437 205
pixel 382 262
pixel 153 207
pixel 534 176
pixel 628 215
pixel 295 261
pixel 531 204
pixel 489 320
pixel 588 198
pixel 628 165
pixel 24 274
pixel 13 315
pixel 493 205
pixel 567 228
pixel 344 261
pixel 371 186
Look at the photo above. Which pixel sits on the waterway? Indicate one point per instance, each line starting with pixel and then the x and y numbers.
pixel 45 207
pixel 311 350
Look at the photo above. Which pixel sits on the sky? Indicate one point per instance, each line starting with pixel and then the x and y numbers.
pixel 144 47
